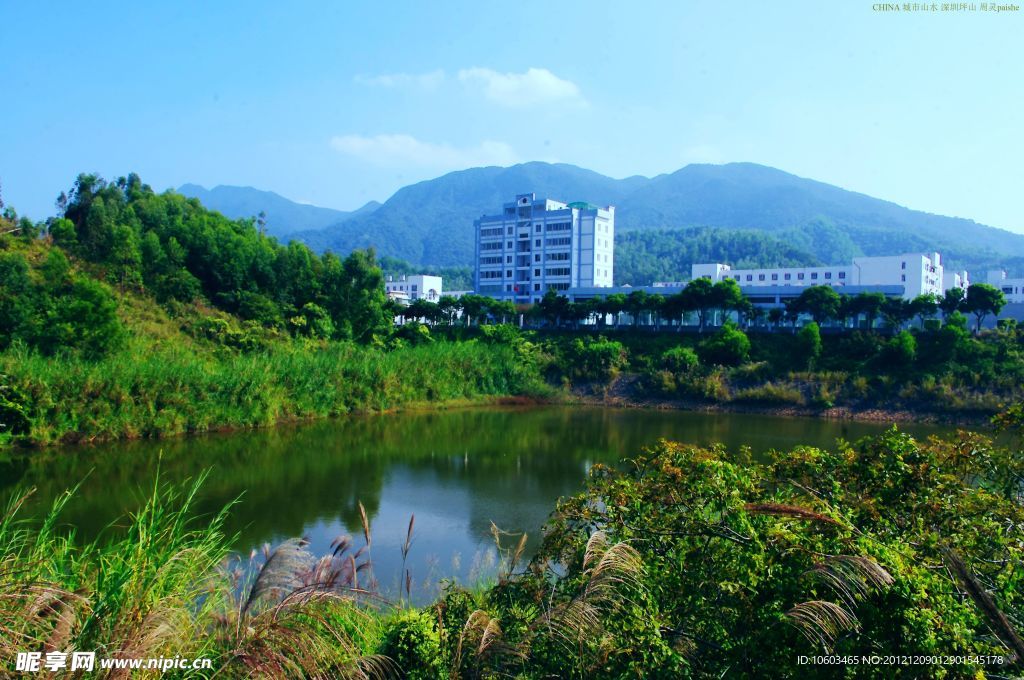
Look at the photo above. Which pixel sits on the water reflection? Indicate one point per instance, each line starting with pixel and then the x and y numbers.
pixel 456 470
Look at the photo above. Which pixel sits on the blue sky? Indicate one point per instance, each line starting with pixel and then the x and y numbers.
pixel 337 103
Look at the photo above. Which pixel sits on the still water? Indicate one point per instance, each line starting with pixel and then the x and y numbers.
pixel 457 471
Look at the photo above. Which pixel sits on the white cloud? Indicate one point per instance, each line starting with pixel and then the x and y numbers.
pixel 406 151
pixel 521 90
pixel 427 81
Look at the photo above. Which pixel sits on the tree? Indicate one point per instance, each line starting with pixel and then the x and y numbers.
pixel 614 304
pixel 636 304
pixel 699 296
pixel 502 310
pixel 807 347
pixel 897 312
pixel 473 307
pixel 553 308
pixel 727 296
pixel 925 307
pixel 354 294
pixel 952 301
pixel 868 304
pixel 448 306
pixel 822 303
pixel 983 299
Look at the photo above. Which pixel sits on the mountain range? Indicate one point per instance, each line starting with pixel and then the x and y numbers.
pixel 283 217
pixel 431 222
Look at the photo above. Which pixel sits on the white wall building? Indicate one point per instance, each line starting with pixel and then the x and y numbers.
pixel 538 244
pixel 917 273
pixel 405 289
pixel 1013 289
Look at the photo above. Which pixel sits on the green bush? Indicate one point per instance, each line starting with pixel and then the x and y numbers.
pixel 807 346
pixel 598 359
pixel 728 347
pixel 900 352
pixel 411 640
pixel 680 360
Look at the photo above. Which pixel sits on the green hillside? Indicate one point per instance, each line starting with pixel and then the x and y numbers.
pixel 432 222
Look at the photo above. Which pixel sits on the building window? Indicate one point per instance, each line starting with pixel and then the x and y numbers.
pixel 508 274
pixel 903 277
pixel 536 228
pixel 536 272
pixel 903 265
pixel 750 277
pixel 509 245
pixel 537 243
pixel 814 276
pixel 760 277
pixel 508 287
pixel 828 275
pixel 536 258
pixel 842 275
pixel 536 286
pixel 775 277
pixel 1008 290
pixel 787 276
pixel 800 276
pixel 509 231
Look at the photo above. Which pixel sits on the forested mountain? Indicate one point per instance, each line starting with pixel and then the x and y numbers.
pixel 643 257
pixel 432 222
pixel 283 216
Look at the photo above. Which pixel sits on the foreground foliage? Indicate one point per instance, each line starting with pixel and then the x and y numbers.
pixel 686 562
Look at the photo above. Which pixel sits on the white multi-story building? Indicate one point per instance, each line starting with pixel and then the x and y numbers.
pixel 917 273
pixel 1013 289
pixel 538 244
pixel 418 287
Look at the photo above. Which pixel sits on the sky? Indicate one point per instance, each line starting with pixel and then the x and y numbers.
pixel 338 103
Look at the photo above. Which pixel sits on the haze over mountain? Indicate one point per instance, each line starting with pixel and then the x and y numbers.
pixel 431 222
pixel 283 216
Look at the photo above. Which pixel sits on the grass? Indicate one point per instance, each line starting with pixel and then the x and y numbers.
pixel 168 586
pixel 150 390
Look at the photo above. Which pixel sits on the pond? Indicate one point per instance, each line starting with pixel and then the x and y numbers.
pixel 456 470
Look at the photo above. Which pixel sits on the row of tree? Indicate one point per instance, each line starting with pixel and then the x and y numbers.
pixel 704 300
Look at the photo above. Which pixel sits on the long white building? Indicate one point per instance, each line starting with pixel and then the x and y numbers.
pixel 1013 289
pixel 916 273
pixel 537 244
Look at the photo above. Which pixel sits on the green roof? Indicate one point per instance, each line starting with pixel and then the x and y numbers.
pixel 582 205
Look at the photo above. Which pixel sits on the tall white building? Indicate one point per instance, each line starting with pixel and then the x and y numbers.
pixel 417 287
pixel 917 273
pixel 538 244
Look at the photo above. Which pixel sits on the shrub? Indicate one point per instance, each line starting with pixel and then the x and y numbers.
pixel 680 360
pixel 728 347
pixel 413 643
pixel 414 333
pixel 597 359
pixel 900 351
pixel 807 346
pixel 771 393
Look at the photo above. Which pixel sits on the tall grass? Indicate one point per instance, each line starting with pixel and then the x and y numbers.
pixel 164 588
pixel 151 390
